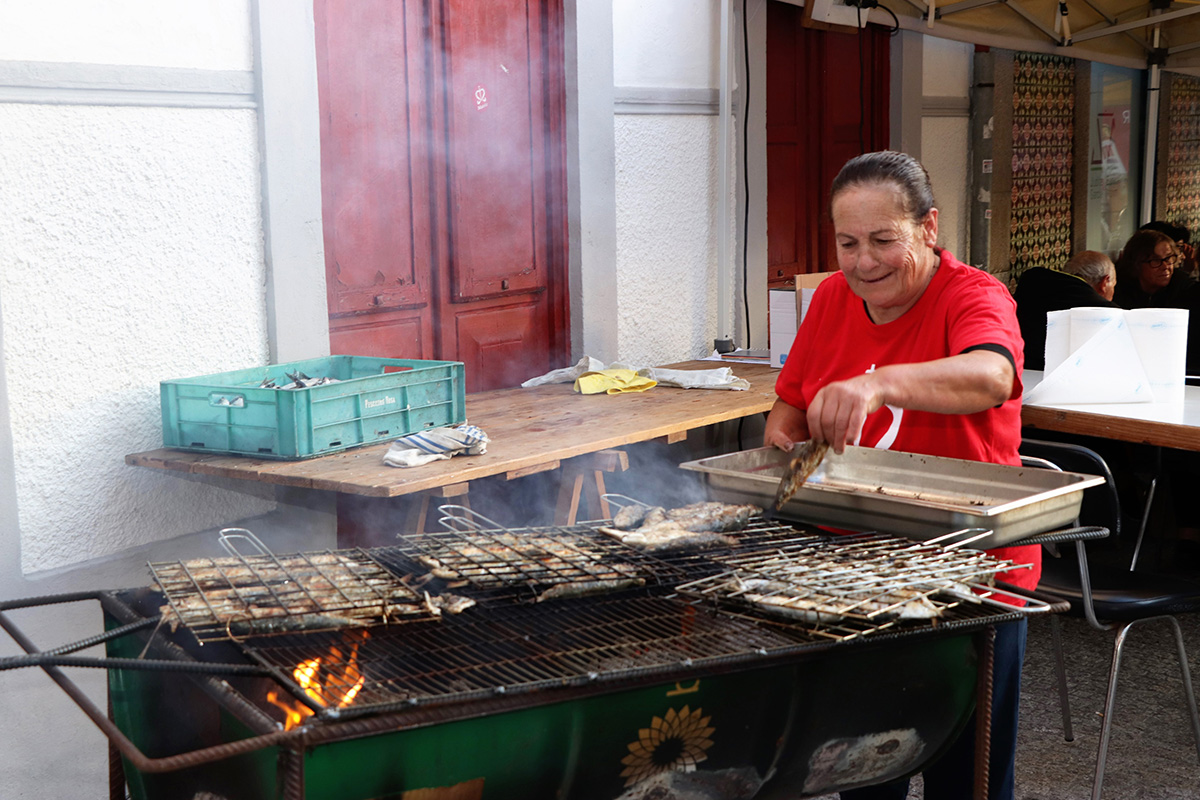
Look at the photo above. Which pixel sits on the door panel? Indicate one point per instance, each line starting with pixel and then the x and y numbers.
pixel 402 334
pixel 494 133
pixel 375 257
pixel 495 343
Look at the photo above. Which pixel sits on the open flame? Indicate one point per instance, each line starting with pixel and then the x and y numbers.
pixel 329 680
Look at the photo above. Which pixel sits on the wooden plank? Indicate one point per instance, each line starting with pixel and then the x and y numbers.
pixel 1162 434
pixel 531 470
pixel 532 430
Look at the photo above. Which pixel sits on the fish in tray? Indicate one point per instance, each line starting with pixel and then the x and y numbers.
pixel 699 526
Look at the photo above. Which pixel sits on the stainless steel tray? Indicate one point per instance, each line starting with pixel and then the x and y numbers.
pixel 908 494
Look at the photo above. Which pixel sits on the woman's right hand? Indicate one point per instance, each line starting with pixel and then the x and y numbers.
pixel 786 425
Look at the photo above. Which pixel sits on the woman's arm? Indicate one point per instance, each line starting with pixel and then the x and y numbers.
pixel 786 425
pixel 962 384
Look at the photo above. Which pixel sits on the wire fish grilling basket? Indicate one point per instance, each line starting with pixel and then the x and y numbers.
pixel 527 564
pixel 845 586
pixel 254 592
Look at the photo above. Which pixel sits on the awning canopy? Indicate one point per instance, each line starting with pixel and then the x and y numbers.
pixel 1113 31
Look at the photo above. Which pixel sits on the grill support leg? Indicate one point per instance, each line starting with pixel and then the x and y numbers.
pixel 983 714
pixel 291 765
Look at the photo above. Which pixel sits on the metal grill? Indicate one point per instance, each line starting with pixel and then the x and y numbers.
pixel 843 587
pixel 525 648
pixel 261 594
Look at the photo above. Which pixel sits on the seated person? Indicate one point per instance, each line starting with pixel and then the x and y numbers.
pixel 1088 279
pixel 1187 254
pixel 1146 274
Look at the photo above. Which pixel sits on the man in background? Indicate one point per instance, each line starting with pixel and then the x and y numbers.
pixel 1088 279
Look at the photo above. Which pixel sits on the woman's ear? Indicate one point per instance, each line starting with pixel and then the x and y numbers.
pixel 929 228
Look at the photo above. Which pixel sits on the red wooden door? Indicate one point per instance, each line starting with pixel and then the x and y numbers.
pixel 827 101
pixel 443 182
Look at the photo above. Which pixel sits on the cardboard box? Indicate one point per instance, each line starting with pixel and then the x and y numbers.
pixel 806 286
pixel 786 309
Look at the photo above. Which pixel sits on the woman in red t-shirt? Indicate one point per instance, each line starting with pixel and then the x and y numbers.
pixel 909 349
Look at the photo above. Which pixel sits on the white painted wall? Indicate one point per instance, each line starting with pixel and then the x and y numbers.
pixel 213 34
pixel 666 43
pixel 945 140
pixel 944 146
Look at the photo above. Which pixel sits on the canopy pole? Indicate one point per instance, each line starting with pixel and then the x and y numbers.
pixel 1151 148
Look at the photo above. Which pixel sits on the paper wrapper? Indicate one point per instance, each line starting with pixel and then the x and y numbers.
pixel 1108 355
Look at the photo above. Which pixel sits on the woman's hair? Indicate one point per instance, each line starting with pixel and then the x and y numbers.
pixel 1140 247
pixel 888 166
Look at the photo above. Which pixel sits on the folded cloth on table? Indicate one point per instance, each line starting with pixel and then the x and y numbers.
pixel 613 381
pixel 720 378
pixel 566 374
pixel 436 444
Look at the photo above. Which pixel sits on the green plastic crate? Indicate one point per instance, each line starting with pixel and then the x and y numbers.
pixel 375 399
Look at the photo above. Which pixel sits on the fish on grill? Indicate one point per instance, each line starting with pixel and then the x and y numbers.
pixel 782 598
pixel 562 591
pixel 698 517
pixel 687 529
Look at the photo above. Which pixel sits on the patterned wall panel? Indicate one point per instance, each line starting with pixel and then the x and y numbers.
pixel 1042 135
pixel 1183 155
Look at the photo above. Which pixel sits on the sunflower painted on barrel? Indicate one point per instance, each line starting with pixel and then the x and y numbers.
pixel 676 741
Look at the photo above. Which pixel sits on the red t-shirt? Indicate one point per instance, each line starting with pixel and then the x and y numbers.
pixel 962 309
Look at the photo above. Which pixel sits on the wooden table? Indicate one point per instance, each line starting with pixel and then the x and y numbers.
pixel 1174 425
pixel 531 430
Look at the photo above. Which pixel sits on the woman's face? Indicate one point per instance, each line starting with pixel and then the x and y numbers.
pixel 1155 271
pixel 887 258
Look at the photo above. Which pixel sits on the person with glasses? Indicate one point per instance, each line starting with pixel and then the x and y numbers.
pixel 1146 274
pixel 1181 235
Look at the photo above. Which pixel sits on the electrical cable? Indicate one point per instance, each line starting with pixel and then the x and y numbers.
pixel 746 173
pixel 896 27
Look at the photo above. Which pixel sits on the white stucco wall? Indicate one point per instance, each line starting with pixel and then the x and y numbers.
pixel 213 34
pixel 666 236
pixel 133 254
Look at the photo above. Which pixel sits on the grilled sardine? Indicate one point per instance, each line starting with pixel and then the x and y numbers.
pixel 806 457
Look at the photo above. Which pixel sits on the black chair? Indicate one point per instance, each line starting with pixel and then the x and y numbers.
pixel 1109 598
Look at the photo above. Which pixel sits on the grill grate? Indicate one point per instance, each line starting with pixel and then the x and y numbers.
pixel 523 648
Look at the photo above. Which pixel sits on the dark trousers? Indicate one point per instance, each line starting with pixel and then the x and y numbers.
pixel 952 777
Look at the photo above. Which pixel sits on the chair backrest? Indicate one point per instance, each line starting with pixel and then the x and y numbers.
pixel 1101 505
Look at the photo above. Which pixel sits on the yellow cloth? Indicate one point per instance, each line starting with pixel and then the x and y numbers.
pixel 612 381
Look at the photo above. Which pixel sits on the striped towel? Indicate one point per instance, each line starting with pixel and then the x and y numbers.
pixel 436 444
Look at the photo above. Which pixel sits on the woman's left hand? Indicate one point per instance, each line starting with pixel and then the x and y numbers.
pixel 839 410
